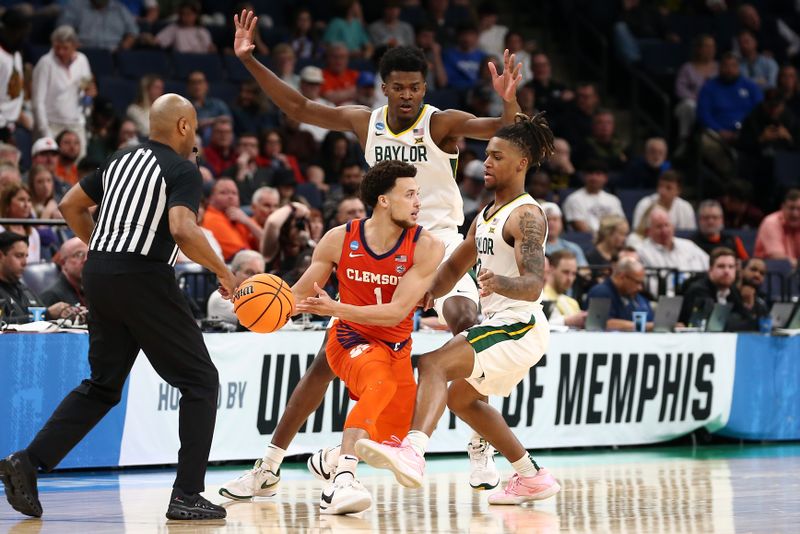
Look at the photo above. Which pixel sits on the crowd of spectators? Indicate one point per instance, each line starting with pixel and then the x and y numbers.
pixel 273 186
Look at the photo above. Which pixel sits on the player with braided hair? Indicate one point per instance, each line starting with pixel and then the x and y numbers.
pixel 507 241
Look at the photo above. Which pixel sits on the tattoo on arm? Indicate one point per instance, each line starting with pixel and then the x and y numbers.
pixel 528 286
pixel 533 229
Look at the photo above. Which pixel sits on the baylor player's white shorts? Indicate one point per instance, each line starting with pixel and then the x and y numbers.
pixel 466 287
pixel 506 346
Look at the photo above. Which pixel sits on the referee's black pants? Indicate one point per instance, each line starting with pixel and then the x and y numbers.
pixel 128 312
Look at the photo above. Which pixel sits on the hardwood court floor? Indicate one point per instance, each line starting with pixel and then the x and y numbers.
pixel 703 490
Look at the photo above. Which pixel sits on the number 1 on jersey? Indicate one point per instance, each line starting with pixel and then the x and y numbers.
pixel 378 295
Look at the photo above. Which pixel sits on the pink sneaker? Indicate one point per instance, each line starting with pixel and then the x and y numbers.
pixel 523 489
pixel 408 466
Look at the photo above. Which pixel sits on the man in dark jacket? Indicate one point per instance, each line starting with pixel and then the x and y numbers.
pixel 718 286
pixel 68 287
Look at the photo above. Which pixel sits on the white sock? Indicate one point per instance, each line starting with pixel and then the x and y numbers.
pixel 274 457
pixel 476 438
pixel 346 468
pixel 418 441
pixel 333 455
pixel 525 466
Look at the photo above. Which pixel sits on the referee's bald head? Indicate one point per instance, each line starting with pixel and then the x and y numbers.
pixel 173 121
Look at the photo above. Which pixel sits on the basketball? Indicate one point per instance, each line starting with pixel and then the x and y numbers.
pixel 263 303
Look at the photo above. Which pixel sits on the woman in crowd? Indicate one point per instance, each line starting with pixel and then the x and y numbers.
pixel 15 203
pixel 151 87
pixel 691 77
pixel 43 193
pixel 272 155
pixel 609 240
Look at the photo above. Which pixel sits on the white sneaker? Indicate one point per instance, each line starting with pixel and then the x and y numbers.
pixel 344 497
pixel 483 472
pixel 320 466
pixel 260 481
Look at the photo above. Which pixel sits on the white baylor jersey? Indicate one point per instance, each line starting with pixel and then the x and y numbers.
pixel 441 204
pixel 498 256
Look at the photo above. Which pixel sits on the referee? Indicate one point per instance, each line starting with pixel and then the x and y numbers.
pixel 148 197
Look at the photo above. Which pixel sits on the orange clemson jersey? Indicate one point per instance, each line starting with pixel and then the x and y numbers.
pixel 366 278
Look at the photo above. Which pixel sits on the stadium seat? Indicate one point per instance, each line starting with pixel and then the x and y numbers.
pixel 40 276
pixel 778 273
pixel 208 64
pixel 23 140
pixel 444 98
pixel 175 86
pixel 37 51
pixel 310 192
pixel 662 58
pixel 100 60
pixel 582 239
pixel 629 198
pixel 748 237
pixel 197 284
pixel 305 62
pixel 134 64
pixel 120 91
pixel 236 71
pixel 225 91
pixel 786 169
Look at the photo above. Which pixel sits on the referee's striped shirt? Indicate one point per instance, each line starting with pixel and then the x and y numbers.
pixel 134 191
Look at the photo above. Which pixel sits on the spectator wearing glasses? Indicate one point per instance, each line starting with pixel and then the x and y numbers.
pixel 69 285
pixel 265 201
pixel 245 263
pixel 624 289
pixel 662 249
pixel 711 230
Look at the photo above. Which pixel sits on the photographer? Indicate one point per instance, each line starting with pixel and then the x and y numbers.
pixel 286 235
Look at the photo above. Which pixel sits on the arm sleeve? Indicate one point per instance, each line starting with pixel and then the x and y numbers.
pixel 41 76
pixel 184 186
pixel 682 83
pixel 92 185
pixel 130 24
pixel 704 116
pixel 166 37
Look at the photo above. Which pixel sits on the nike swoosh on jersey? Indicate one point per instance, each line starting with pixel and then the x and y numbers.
pixel 355 255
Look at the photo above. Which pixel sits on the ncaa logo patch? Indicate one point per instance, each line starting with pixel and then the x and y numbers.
pixel 380 126
pixel 400 269
pixel 353 245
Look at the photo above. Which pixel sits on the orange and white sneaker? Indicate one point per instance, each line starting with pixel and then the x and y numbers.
pixel 520 490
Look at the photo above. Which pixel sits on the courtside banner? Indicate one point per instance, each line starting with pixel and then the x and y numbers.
pixel 590 389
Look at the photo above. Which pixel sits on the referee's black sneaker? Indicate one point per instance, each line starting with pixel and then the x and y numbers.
pixel 19 478
pixel 190 506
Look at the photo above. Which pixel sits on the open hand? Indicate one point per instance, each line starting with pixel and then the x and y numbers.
pixel 487 282
pixel 244 38
pixel 506 84
pixel 322 304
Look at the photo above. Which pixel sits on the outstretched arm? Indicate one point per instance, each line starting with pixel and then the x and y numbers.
pixel 528 227
pixel 406 296
pixel 456 123
pixel 290 101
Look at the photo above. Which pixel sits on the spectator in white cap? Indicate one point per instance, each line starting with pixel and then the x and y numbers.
pixel 555 225
pixel 472 185
pixel 311 79
pixel 61 79
pixel 45 153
